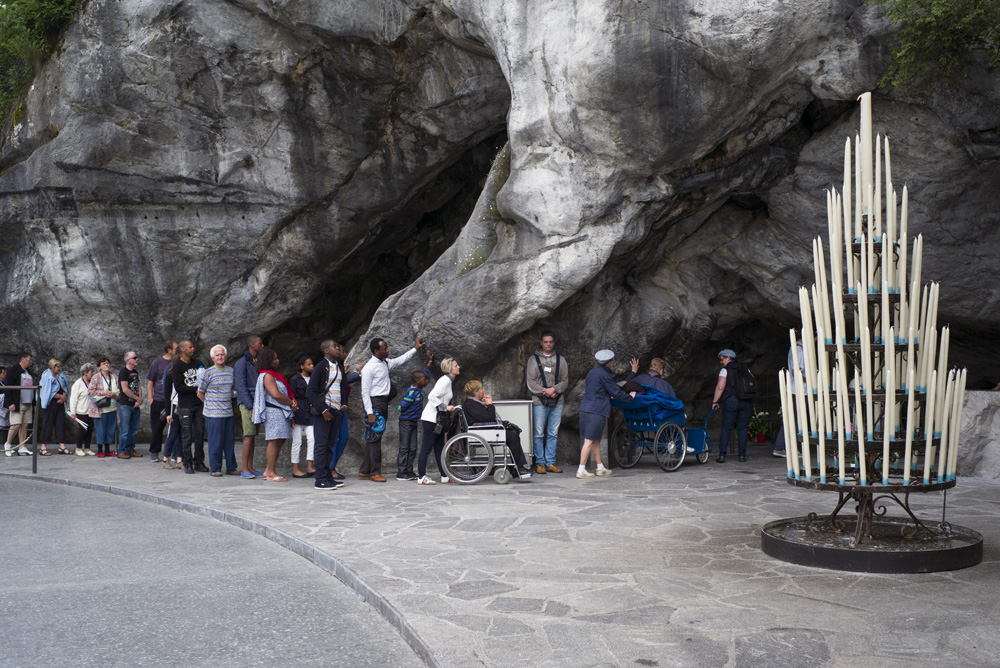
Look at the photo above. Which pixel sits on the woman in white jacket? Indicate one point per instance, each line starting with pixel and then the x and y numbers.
pixel 79 403
pixel 441 395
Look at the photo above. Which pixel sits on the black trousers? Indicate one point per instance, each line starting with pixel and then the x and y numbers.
pixel 430 441
pixel 192 434
pixel 156 426
pixel 84 434
pixel 371 464
pixel 54 420
pixel 325 434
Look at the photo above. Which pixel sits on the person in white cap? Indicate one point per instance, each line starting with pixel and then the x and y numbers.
pixel 595 407
pixel 736 412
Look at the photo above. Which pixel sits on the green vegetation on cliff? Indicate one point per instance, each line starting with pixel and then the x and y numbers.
pixel 28 32
pixel 935 37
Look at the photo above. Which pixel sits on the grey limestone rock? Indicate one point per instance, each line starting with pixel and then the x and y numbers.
pixel 306 169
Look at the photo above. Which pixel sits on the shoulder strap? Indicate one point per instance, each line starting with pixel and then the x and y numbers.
pixel 541 372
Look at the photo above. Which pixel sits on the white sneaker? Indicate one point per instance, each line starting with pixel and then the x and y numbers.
pixel 425 481
pixel 445 480
pixel 690 450
pixel 603 471
pixel 9 453
pixel 585 474
pixel 23 451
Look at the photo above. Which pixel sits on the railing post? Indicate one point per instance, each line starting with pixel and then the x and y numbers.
pixel 34 431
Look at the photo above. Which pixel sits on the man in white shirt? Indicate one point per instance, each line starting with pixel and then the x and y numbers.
pixel 376 391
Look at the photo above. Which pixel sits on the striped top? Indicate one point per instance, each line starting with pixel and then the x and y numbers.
pixel 217 384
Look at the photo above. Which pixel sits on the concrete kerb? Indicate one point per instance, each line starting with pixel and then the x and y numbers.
pixel 324 560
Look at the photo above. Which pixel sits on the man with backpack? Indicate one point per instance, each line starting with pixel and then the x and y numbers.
pixel 735 390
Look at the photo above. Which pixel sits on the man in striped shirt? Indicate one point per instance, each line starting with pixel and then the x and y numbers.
pixel 216 391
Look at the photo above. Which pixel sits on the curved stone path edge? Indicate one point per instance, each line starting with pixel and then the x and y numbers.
pixel 324 560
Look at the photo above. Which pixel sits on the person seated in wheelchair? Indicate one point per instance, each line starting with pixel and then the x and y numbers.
pixel 479 410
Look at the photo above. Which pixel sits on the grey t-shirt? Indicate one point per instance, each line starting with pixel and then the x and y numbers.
pixel 27 396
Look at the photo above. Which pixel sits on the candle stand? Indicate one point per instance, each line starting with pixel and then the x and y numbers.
pixel 892 434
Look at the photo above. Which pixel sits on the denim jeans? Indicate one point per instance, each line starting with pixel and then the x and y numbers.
pixel 193 434
pixel 546 427
pixel 326 433
pixel 735 412
pixel 408 432
pixel 105 428
pixel 220 440
pixel 343 434
pixel 128 427
pixel 172 447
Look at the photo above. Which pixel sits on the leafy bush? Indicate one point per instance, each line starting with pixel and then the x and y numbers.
pixel 28 31
pixel 934 37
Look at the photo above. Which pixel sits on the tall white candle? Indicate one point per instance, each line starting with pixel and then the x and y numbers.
pixel 932 306
pixel 886 432
pixel 808 347
pixel 890 386
pixel 869 387
pixel 786 420
pixel 859 427
pixel 929 427
pixel 823 294
pixel 956 424
pixel 917 262
pixel 942 368
pixel 910 407
pixel 859 192
pixel 844 395
pixel 877 201
pixel 885 318
pixel 824 385
pixel 847 204
pixel 870 247
pixel 838 312
pixel 903 281
pixel 927 350
pixel 949 397
pixel 911 354
pixel 866 148
pixel 842 421
pixel 801 409
pixel 796 387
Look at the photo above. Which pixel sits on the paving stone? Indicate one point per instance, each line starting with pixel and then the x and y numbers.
pixel 643 565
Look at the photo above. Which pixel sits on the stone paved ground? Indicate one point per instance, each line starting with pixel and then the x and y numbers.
pixel 641 569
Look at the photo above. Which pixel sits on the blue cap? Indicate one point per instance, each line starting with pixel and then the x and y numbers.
pixel 727 353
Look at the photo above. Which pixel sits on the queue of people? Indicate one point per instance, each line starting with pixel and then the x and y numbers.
pixel 192 401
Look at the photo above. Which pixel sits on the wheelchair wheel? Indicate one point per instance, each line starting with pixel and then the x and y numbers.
pixel 502 475
pixel 623 452
pixel 703 456
pixel 670 446
pixel 467 458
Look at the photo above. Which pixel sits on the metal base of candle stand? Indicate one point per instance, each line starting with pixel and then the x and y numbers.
pixel 867 541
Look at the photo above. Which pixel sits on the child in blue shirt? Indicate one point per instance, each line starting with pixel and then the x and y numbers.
pixel 410 407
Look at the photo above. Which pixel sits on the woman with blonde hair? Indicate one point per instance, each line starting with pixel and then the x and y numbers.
pixel 54 394
pixel 433 433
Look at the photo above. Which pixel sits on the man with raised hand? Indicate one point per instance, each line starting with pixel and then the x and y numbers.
pixel 376 392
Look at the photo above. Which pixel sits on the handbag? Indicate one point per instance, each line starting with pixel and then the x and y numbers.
pixel 373 432
pixel 104 402
pixel 443 421
pixel 548 402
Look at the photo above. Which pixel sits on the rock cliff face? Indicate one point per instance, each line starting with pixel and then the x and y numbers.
pixel 307 168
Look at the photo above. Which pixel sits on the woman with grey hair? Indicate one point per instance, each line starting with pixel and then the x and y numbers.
pixel 79 404
pixel 439 399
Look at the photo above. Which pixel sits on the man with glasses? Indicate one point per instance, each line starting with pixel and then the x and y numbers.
pixel 19 403
pixel 129 406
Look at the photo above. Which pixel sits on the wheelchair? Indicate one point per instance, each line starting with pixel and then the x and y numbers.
pixel 476 451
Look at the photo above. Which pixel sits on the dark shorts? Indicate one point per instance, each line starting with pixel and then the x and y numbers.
pixel 591 426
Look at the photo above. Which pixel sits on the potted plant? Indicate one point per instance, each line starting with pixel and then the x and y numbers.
pixel 759 427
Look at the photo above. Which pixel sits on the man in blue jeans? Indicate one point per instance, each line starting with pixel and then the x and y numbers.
pixel 547 376
pixel 735 411
pixel 129 406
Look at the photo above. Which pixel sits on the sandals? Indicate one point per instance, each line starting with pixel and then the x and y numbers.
pixel 276 478
pixel 42 452
pixel 63 450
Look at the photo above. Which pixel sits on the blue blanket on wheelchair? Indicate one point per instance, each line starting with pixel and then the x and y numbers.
pixel 658 405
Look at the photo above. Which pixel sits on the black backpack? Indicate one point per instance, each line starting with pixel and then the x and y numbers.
pixel 744 383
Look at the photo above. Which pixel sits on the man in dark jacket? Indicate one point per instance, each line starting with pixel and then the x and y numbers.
pixel 245 380
pixel 19 403
pixel 326 393
pixel 652 378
